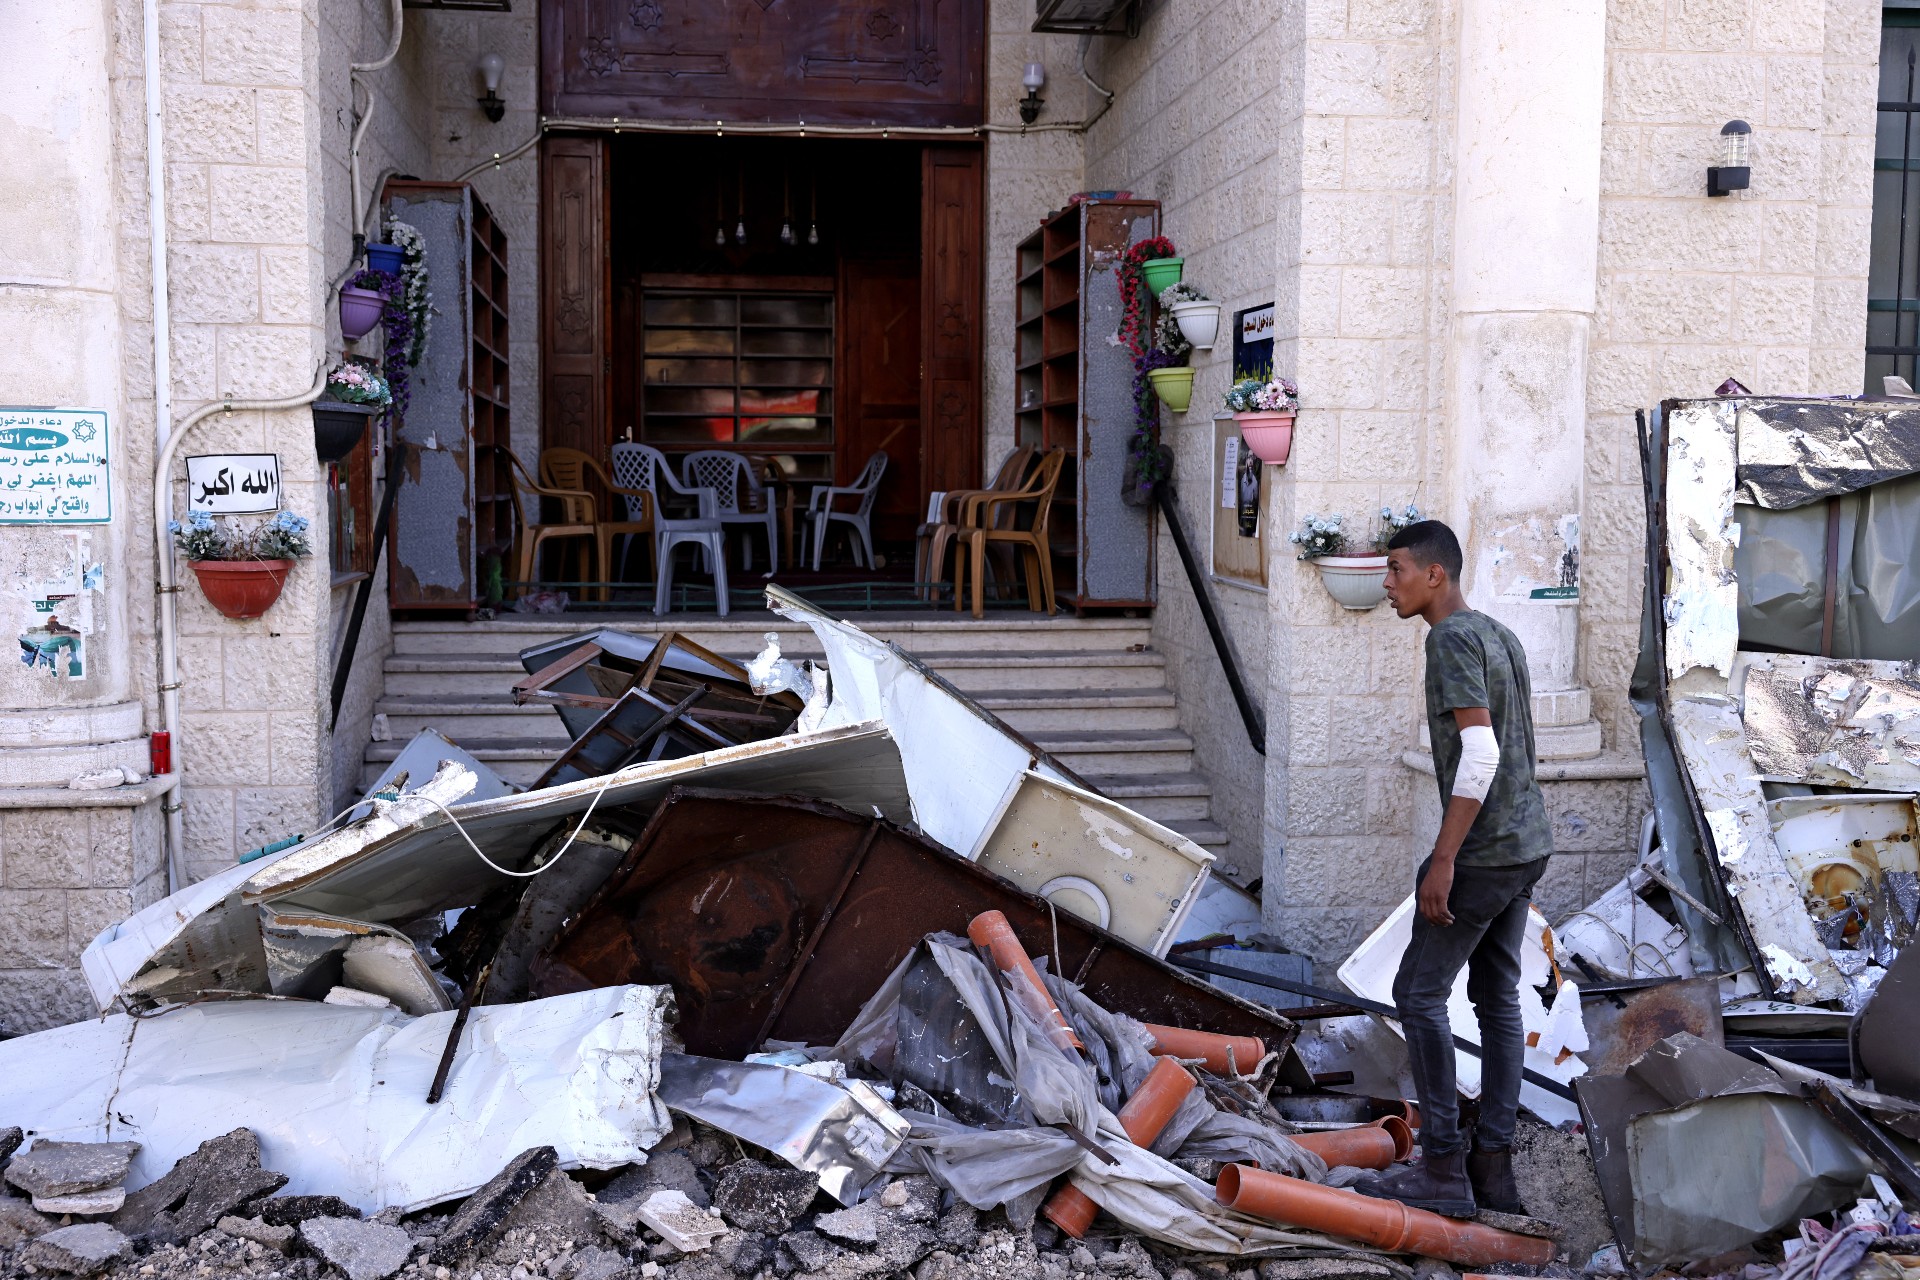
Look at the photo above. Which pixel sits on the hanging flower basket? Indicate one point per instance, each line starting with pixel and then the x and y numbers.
pixel 1199 322
pixel 337 428
pixel 241 589
pixel 385 257
pixel 359 311
pixel 1174 386
pixel 1269 435
pixel 1355 582
pixel 1161 272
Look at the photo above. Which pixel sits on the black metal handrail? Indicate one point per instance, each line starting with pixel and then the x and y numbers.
pixel 1249 713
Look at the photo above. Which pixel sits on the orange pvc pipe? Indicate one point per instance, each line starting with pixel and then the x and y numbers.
pixel 1179 1042
pixel 1370 1146
pixel 1143 1117
pixel 990 930
pixel 1385 1224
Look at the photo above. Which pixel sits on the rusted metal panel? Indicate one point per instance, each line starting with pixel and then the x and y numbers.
pixel 778 916
pixel 1623 1027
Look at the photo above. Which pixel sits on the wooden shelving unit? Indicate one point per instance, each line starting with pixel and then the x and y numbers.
pixel 1074 390
pixel 454 509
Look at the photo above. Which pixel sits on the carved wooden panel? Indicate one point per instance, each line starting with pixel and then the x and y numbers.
pixel 880 386
pixel 574 319
pixel 892 62
pixel 950 274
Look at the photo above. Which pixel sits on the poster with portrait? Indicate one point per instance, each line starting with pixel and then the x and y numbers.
pixel 1239 533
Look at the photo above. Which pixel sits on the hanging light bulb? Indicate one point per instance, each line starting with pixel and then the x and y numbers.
pixel 813 216
pixel 719 213
pixel 740 227
pixel 786 210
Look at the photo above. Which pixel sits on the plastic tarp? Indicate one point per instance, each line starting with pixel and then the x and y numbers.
pixel 337 1094
pixel 987 1167
pixel 1781 564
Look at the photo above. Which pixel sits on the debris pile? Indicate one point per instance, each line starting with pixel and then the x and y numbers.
pixel 797 969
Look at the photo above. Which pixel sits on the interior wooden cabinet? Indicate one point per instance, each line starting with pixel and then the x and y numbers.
pixel 1073 389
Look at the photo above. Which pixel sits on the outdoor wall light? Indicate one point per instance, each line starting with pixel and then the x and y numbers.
pixel 1732 173
pixel 489 68
pixel 1034 77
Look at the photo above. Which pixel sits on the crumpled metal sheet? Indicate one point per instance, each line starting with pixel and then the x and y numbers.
pixel 1713 744
pixel 337 1094
pixel 1793 452
pixel 1702 598
pixel 1844 722
pixel 846 1135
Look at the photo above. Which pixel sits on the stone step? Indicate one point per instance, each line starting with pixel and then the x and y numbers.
pixel 1116 751
pixel 746 635
pixel 408 675
pixel 1209 835
pixel 1164 797
pixel 477 716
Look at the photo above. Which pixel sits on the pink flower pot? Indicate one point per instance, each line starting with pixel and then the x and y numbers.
pixel 1269 435
pixel 359 311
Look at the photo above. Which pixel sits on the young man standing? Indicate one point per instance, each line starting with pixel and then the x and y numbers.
pixel 1474 888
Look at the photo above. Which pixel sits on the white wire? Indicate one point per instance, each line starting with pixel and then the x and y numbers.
pixel 550 863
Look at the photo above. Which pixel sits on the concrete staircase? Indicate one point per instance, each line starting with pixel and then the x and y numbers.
pixel 1090 691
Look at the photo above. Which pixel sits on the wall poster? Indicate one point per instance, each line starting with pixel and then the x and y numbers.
pixel 1239 534
pixel 53 466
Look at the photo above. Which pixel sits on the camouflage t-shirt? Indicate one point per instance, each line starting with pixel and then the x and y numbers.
pixel 1473 661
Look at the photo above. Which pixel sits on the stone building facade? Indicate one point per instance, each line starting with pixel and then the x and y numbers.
pixel 1471 285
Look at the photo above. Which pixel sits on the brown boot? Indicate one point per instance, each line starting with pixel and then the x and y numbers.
pixel 1491 1173
pixel 1438 1184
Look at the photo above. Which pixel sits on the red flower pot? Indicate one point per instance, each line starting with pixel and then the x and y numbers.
pixel 360 310
pixel 1269 435
pixel 241 588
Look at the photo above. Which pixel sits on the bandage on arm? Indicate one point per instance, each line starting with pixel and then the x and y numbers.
pixel 1479 761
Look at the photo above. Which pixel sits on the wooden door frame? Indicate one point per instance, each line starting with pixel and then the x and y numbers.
pixel 952 314
pixel 576 302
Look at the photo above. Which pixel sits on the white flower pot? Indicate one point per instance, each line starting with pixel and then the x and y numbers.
pixel 1356 582
pixel 1199 322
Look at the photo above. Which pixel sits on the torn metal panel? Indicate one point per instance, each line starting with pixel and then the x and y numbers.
pixel 845 1134
pixel 1620 1035
pixel 421 758
pixel 1370 970
pixel 1857 861
pixel 778 916
pixel 338 1094
pixel 1793 452
pixel 582 675
pixel 1701 600
pixel 409 859
pixel 1775 1160
pixel 1622 937
pixel 1885 1032
pixel 1713 744
pixel 1844 722
pixel 1097 859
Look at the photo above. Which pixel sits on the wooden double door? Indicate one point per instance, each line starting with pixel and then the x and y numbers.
pixel 907 313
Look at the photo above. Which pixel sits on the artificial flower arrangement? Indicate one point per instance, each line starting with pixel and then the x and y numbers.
pixel 1355 579
pixel 203 538
pixel 1133 291
pixel 1263 395
pixel 357 382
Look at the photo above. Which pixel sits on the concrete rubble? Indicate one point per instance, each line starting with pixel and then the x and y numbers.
pixel 797 994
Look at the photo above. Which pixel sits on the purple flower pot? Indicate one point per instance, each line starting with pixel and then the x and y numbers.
pixel 385 257
pixel 359 311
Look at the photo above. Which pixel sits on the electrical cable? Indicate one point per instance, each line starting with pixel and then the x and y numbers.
pixel 550 862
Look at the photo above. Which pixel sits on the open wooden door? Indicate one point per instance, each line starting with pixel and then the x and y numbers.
pixel 952 192
pixel 576 296
pixel 879 393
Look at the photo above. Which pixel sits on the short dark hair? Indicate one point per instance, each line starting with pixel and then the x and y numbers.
pixel 1431 542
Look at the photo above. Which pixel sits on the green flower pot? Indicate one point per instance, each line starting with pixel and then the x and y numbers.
pixel 1173 386
pixel 1161 272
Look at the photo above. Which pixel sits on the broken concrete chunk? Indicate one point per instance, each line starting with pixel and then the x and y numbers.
pixel 859 1225
pixel 595 1263
pixel 556 1209
pixel 1350 1266
pixel 486 1210
pixel 959 1229
pixel 68 1168
pixel 10 1140
pixel 18 1223
pixel 258 1232
pixel 681 1223
pixel 754 1197
pixel 291 1211
pixel 364 1250
pixel 222 1174
pixel 810 1250
pixel 745 1252
pixel 81 1250
pixel 663 1171
pixel 84 1204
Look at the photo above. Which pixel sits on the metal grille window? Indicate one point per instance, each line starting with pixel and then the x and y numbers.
pixel 1893 273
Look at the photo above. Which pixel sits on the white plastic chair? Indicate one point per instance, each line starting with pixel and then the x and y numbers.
pixel 641 466
pixel 710 536
pixel 738 493
pixel 820 511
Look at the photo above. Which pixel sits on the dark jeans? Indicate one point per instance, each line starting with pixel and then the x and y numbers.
pixel 1489 906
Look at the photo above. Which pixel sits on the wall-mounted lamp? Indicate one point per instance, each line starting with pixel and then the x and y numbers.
pixel 1034 77
pixel 489 68
pixel 1732 173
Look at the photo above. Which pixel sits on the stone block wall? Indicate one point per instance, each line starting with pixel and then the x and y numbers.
pixel 1198 126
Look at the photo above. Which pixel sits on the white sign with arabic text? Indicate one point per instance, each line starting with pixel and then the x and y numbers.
pixel 233 484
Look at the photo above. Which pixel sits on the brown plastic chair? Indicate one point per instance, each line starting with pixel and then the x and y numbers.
pixel 982 529
pixel 576 516
pixel 933 537
pixel 574 471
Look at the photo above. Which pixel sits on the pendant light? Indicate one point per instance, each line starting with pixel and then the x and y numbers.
pixel 786 209
pixel 813 214
pixel 719 212
pixel 740 227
